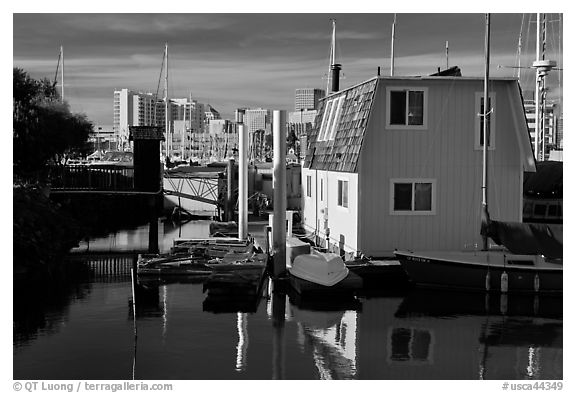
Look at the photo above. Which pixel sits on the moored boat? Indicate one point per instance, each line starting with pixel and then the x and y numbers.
pixel 529 259
pixel 322 274
pixel 495 270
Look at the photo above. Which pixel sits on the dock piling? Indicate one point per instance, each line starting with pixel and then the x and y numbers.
pixel 279 185
pixel 243 183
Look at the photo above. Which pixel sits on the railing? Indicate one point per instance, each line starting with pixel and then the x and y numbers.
pixel 92 177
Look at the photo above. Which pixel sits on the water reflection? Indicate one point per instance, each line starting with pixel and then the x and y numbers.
pixel 186 333
pixel 329 329
pixel 42 307
pixel 517 337
pixel 242 347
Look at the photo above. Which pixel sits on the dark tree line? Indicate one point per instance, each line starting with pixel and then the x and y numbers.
pixel 44 130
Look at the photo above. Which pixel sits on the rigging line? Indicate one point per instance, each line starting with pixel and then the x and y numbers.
pixel 519 52
pixel 158 89
pixel 526 74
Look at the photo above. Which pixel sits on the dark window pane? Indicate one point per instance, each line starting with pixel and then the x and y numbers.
pixel 423 196
pixel 400 341
pixel 421 341
pixel 540 210
pixel 403 196
pixel 482 121
pixel 342 193
pixel 397 107
pixel 416 108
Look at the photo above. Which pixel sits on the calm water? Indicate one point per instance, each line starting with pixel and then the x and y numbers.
pixel 83 328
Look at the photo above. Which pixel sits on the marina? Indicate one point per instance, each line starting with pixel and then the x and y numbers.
pixel 411 228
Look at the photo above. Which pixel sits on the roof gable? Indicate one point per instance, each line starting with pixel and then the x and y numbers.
pixel 342 152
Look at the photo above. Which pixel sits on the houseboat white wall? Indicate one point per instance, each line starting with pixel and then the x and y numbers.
pixel 442 152
pixel 322 207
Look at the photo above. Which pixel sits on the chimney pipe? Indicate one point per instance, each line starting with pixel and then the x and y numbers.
pixel 335 70
pixel 378 70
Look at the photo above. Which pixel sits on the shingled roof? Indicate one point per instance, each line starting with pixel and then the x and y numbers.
pixel 341 153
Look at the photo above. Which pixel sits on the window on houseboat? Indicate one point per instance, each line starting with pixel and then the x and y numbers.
pixel 479 125
pixel 407 107
pixel 309 186
pixel 412 196
pixel 482 122
pixel 330 119
pixel 343 193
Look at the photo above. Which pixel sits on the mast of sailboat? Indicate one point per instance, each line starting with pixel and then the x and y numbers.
pixel 166 106
pixel 60 59
pixel 486 116
pixel 62 75
pixel 392 46
pixel 183 132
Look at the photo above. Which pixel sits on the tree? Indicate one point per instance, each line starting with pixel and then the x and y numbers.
pixel 44 129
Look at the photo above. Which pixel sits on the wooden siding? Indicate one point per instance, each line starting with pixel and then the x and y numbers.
pixel 445 152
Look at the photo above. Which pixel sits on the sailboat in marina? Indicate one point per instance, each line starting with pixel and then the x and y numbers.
pixel 522 257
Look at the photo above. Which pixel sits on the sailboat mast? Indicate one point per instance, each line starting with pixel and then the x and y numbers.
pixel 62 75
pixel 537 90
pixel 392 46
pixel 486 115
pixel 183 132
pixel 166 106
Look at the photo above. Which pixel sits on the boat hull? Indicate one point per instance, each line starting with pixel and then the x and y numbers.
pixel 480 271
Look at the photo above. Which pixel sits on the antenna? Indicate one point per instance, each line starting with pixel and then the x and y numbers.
pixel 332 54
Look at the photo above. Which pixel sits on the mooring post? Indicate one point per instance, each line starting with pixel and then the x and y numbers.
pixel 243 183
pixel 229 209
pixel 279 185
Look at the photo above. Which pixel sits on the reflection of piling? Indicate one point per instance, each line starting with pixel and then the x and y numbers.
pixel 148 173
pixel 229 212
pixel 153 227
pixel 243 183
pixel 279 223
pixel 278 319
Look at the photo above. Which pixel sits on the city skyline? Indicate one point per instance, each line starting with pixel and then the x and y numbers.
pixel 259 60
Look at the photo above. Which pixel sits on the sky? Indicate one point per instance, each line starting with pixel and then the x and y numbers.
pixel 258 59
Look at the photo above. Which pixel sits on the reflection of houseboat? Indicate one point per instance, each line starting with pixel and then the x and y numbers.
pixel 444 338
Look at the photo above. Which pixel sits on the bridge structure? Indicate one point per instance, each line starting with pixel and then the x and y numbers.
pixel 202 186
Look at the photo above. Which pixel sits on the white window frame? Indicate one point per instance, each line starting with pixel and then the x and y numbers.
pixel 413 212
pixel 424 125
pixel 347 181
pixel 331 118
pixel 308 186
pixel 478 96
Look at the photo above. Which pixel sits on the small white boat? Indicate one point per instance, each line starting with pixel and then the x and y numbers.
pixel 325 269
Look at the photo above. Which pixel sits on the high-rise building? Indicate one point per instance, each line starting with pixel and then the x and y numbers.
pixel 257 119
pixel 301 117
pixel 133 108
pixel 552 139
pixel 307 98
